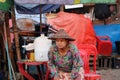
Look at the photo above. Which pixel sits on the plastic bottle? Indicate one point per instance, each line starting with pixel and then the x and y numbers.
pixel 41 47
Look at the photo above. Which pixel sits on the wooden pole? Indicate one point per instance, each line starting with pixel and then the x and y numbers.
pixel 16 34
pixel 62 8
pixel 118 7
pixel 9 39
pixel 2 45
pixel 40 18
pixel 8 34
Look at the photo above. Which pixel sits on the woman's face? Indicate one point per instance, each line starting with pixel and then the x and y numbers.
pixel 61 43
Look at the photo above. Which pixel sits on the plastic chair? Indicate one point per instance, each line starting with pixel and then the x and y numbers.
pixel 84 56
pixel 90 51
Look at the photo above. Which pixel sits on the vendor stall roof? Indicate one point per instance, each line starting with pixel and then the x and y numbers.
pixel 35 8
pixel 5 5
pixel 45 1
pixel 64 1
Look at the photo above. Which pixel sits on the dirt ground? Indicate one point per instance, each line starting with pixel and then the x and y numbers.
pixel 110 74
pixel 107 74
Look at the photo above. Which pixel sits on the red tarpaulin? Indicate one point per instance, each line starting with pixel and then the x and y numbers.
pixel 77 26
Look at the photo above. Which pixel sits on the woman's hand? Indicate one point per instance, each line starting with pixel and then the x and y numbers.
pixel 56 78
pixel 78 78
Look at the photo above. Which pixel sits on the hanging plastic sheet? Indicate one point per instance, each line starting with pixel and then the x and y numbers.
pixel 45 1
pixel 77 1
pixel 60 1
pixel 98 1
pixel 64 1
pixel 77 26
pixel 35 8
pixel 104 1
pixel 5 5
pixel 31 1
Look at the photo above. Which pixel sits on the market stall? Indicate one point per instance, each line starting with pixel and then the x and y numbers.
pixel 18 5
pixel 37 10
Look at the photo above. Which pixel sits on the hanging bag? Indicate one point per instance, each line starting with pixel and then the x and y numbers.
pixel 102 11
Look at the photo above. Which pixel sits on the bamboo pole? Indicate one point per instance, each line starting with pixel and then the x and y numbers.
pixel 118 7
pixel 8 34
pixel 16 35
pixel 62 8
pixel 9 39
pixel 2 44
pixel 40 18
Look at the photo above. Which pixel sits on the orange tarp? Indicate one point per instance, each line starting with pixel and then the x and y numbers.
pixel 77 26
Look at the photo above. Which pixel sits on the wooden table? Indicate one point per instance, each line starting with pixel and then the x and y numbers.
pixel 33 63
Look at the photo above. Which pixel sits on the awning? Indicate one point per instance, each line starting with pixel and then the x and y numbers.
pixel 35 8
pixel 5 5
pixel 63 1
pixel 45 1
pixel 98 1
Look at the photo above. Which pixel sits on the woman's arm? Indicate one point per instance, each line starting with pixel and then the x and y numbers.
pixel 77 63
pixel 52 67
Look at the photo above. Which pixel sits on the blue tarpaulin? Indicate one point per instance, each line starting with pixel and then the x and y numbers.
pixel 111 30
pixel 35 8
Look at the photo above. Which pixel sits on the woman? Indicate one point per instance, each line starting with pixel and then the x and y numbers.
pixel 64 58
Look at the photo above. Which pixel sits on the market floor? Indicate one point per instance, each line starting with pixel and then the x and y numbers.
pixel 107 74
pixel 110 74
